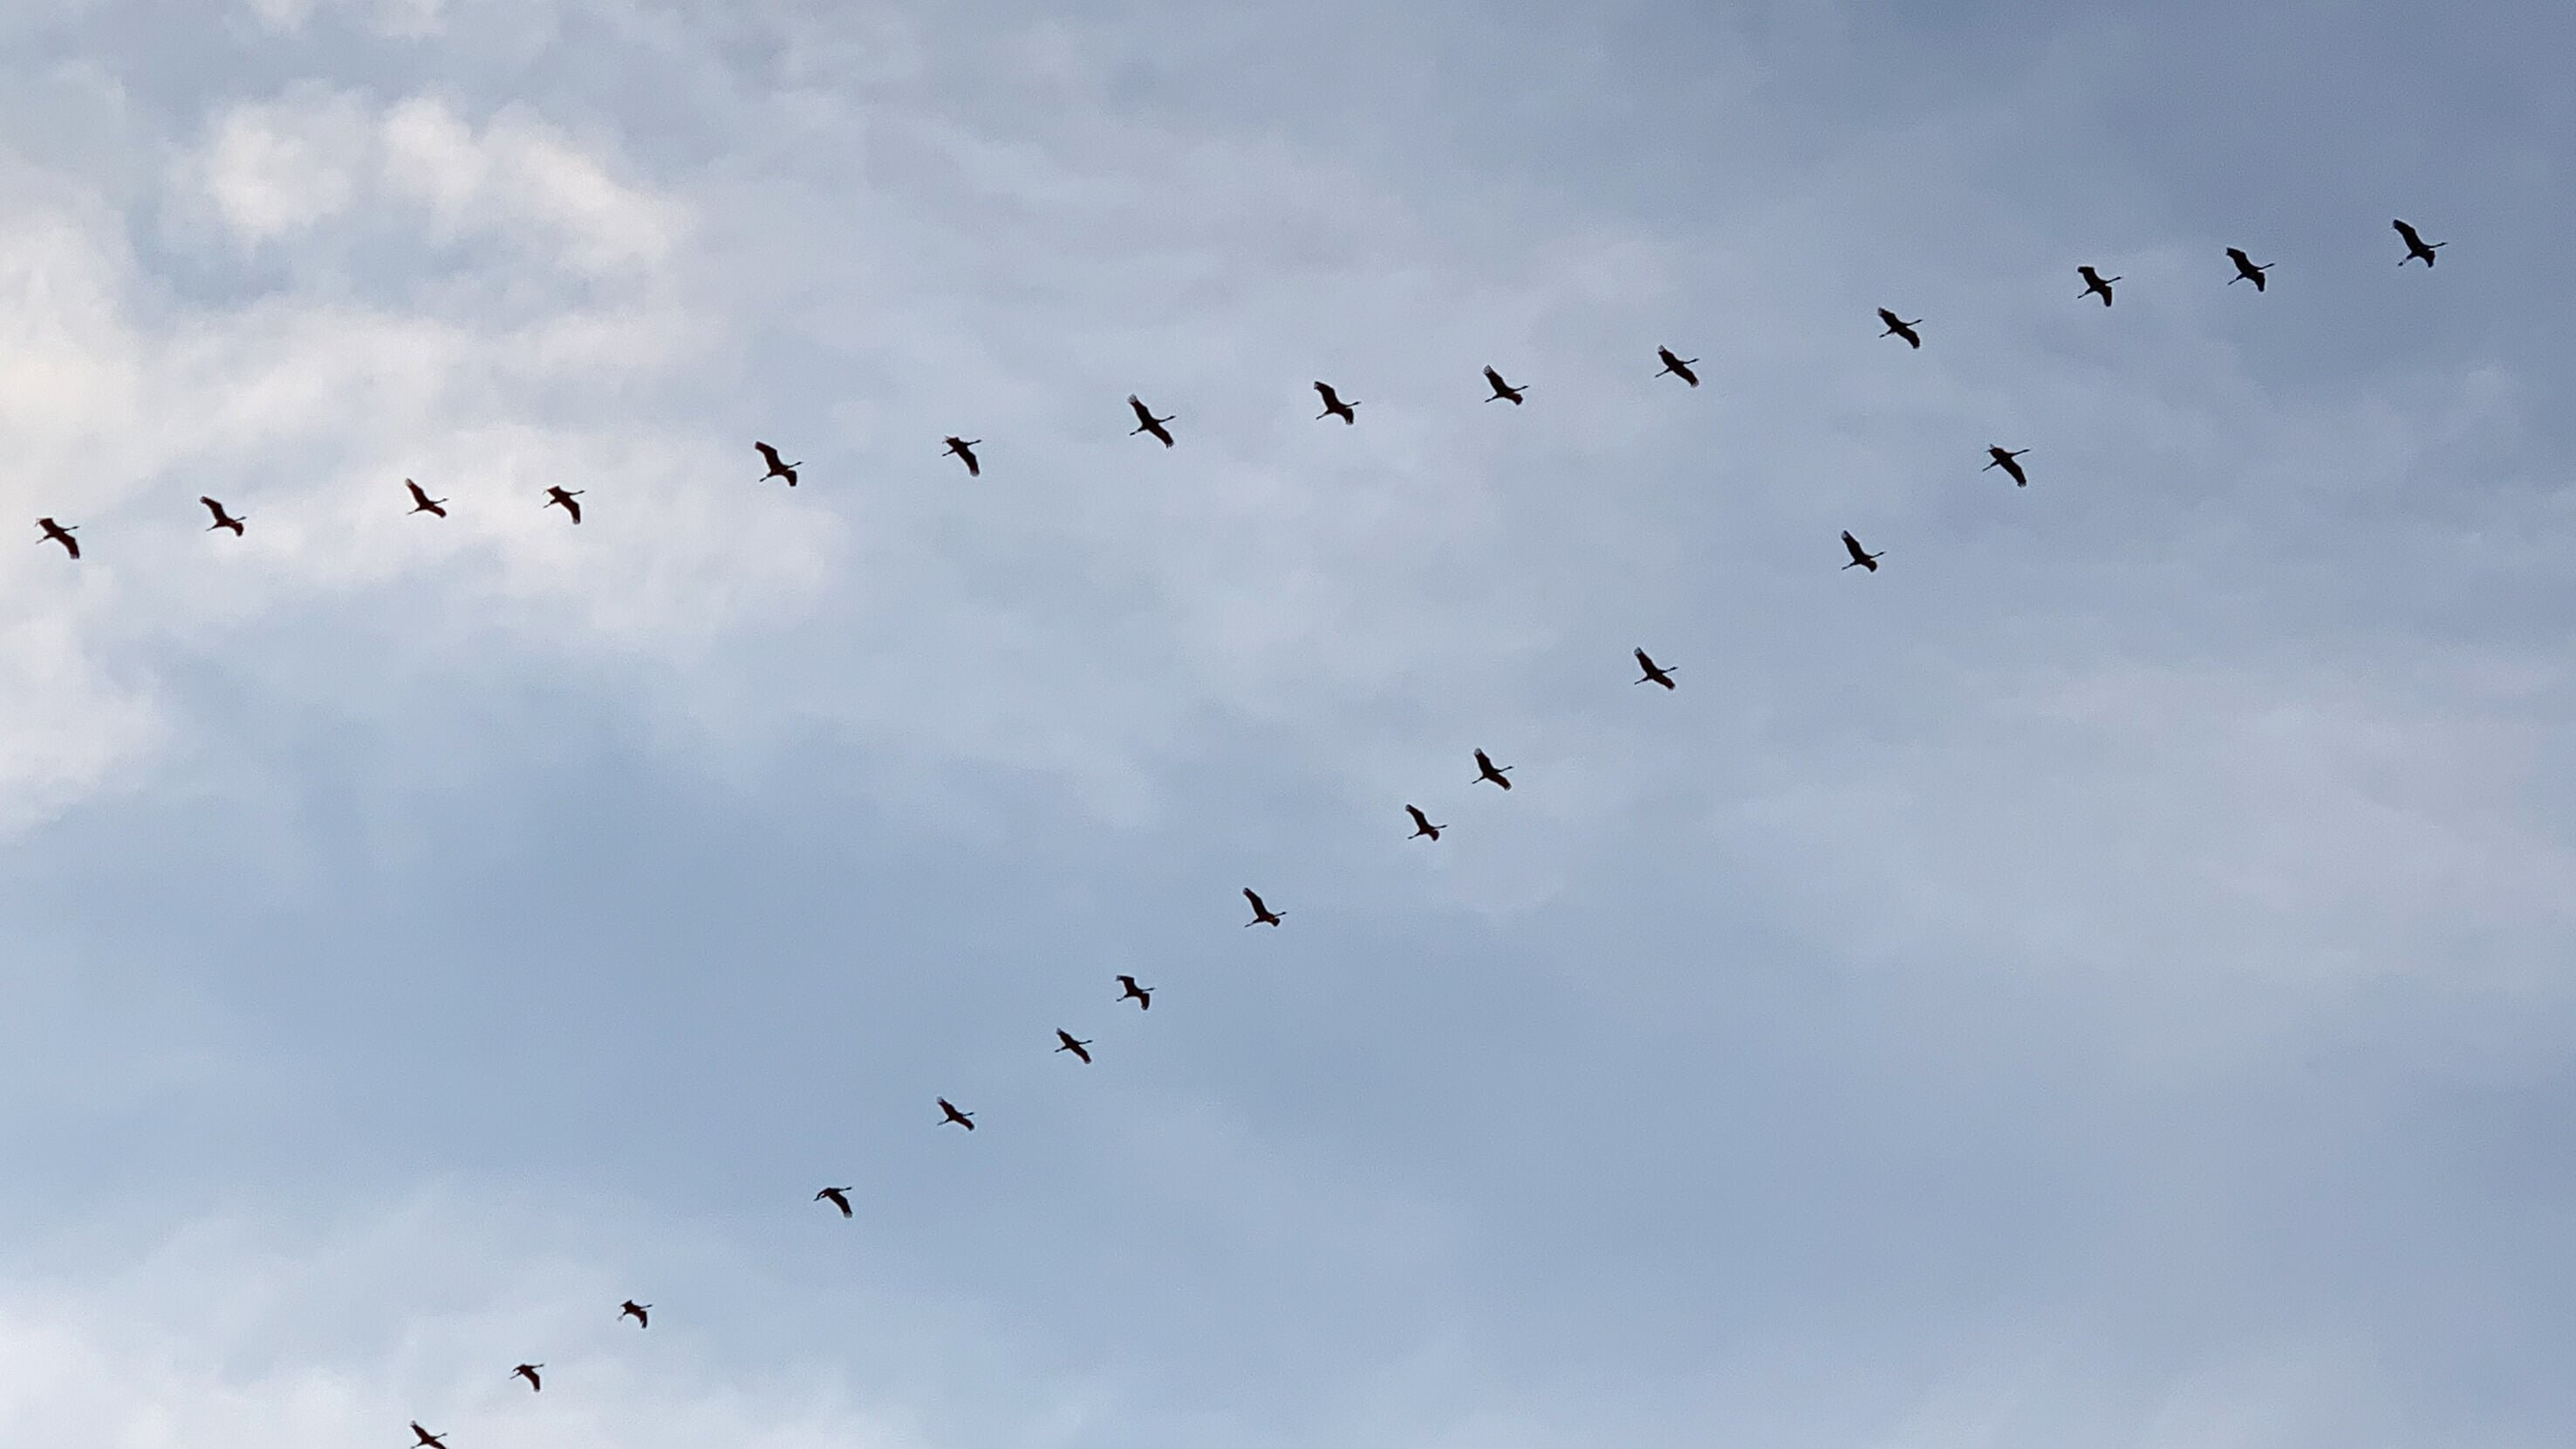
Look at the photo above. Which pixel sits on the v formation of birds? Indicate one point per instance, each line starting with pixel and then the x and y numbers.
pixel 1148 423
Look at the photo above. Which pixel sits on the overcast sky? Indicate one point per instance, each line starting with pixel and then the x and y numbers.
pixel 2102 979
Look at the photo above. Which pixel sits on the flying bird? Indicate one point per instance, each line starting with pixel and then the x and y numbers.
pixel 421 502
pixel 528 1371
pixel 1261 915
pixel 1860 560
pixel 2246 270
pixel 2416 246
pixel 964 448
pixel 2095 285
pixel 1065 1042
pixel 1678 366
pixel 1655 673
pixel 1503 391
pixel 1486 770
pixel 838 1197
pixel 1422 826
pixel 1144 995
pixel 1899 327
pixel 222 519
pixel 1334 407
pixel 777 469
pixel 428 1440
pixel 948 1113
pixel 556 497
pixel 62 534
pixel 1146 422
pixel 2003 458
pixel 637 1311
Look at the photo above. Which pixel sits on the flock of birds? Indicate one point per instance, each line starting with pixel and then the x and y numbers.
pixel 1147 423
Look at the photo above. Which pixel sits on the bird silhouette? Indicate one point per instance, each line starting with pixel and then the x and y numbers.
pixel 637 1311
pixel 1146 422
pixel 528 1371
pixel 1065 1042
pixel 1678 366
pixel 1334 407
pixel 556 497
pixel 1422 827
pixel 1261 915
pixel 2246 270
pixel 2095 285
pixel 1859 559
pixel 964 448
pixel 427 1440
pixel 421 502
pixel 61 533
pixel 777 469
pixel 1655 673
pixel 1144 995
pixel 1487 770
pixel 838 1197
pixel 948 1113
pixel 1503 391
pixel 2003 458
pixel 222 519
pixel 1899 327
pixel 2416 246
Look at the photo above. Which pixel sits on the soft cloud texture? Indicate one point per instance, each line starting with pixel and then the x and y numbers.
pixel 2099 979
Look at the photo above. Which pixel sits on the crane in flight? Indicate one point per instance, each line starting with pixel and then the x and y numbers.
pixel 1503 391
pixel 528 1371
pixel 1899 327
pixel 777 467
pixel 1067 1042
pixel 60 533
pixel 1261 915
pixel 222 519
pixel 838 1197
pixel 2003 458
pixel 1334 407
pixel 1423 829
pixel 1146 422
pixel 964 448
pixel 948 1113
pixel 2416 246
pixel 1677 366
pixel 640 1312
pixel 421 502
pixel 556 497
pixel 1860 560
pixel 1487 770
pixel 2095 285
pixel 1655 673
pixel 427 1440
pixel 1144 995
pixel 2246 268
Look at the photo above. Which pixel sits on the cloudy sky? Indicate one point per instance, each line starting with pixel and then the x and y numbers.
pixel 2102 979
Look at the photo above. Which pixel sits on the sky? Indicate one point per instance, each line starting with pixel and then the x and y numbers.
pixel 2100 979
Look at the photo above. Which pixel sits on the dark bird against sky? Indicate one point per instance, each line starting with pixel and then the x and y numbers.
pixel 1067 1042
pixel 1334 407
pixel 640 1312
pixel 777 469
pixel 1899 327
pixel 2004 459
pixel 1487 770
pixel 1678 366
pixel 1261 915
pixel 1503 391
pixel 62 534
pixel 948 1113
pixel 557 497
pixel 528 1371
pixel 964 448
pixel 427 1440
pixel 838 1197
pixel 1655 673
pixel 2096 285
pixel 421 502
pixel 1144 995
pixel 2246 269
pixel 1146 422
pixel 222 519
pixel 1860 560
pixel 1423 829
pixel 2416 246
